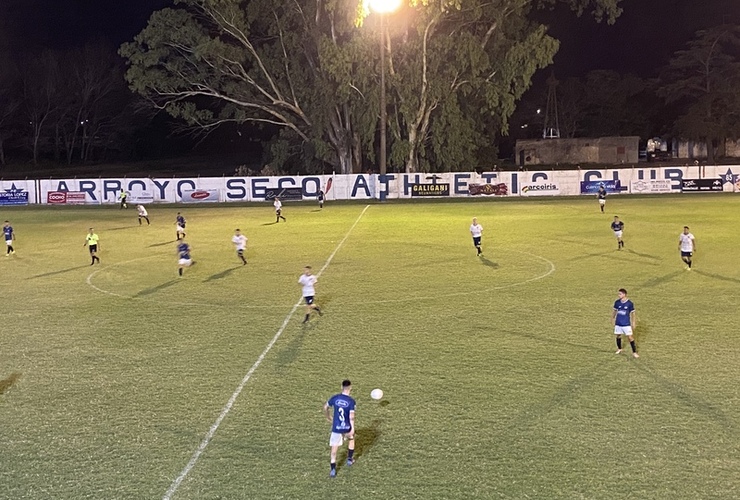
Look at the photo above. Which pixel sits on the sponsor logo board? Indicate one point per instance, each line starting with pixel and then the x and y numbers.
pixel 199 195
pixel 430 190
pixel 701 185
pixel 539 189
pixel 13 196
pixel 488 189
pixel 592 187
pixel 651 186
pixel 287 193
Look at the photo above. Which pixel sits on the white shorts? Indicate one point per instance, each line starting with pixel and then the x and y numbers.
pixel 185 262
pixel 8 242
pixel 336 439
pixel 618 234
pixel 622 330
pixel 180 229
pixel 602 201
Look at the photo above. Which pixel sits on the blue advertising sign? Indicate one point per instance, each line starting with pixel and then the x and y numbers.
pixel 13 196
pixel 591 187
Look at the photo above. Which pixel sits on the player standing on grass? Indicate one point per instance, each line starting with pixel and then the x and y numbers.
pixel 9 237
pixel 308 282
pixel 143 214
pixel 618 228
pixel 180 226
pixel 92 240
pixel 476 230
pixel 342 424
pixel 321 198
pixel 623 317
pixel 687 245
pixel 240 241
pixel 278 210
pixel 123 196
pixel 601 195
pixel 183 256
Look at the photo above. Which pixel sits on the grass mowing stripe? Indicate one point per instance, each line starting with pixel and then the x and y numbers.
pixel 212 431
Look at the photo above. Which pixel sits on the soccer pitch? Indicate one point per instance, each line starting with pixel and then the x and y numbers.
pixel 121 380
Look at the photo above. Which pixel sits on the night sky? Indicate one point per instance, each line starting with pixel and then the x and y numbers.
pixel 640 42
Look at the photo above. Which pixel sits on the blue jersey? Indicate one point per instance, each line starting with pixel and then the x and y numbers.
pixel 184 250
pixel 617 226
pixel 181 221
pixel 343 405
pixel 8 231
pixel 624 309
pixel 602 193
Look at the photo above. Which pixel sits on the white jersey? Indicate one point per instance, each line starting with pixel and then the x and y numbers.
pixel 142 211
pixel 308 282
pixel 687 242
pixel 476 230
pixel 278 205
pixel 240 241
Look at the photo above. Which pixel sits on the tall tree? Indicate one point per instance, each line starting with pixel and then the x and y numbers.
pixel 703 81
pixel 456 69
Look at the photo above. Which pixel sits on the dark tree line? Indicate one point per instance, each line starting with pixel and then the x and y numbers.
pixel 69 105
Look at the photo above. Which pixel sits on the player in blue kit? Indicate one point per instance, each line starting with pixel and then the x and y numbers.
pixel 342 424
pixel 9 237
pixel 183 254
pixel 180 226
pixel 618 228
pixel 623 318
pixel 601 196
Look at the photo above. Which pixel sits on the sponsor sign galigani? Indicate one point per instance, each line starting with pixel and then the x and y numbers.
pixel 701 185
pixel 430 190
pixel 651 186
pixel 539 189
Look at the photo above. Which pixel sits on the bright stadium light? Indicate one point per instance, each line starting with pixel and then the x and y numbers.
pixel 384 6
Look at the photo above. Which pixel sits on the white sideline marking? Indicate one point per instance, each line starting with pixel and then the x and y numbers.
pixel 212 431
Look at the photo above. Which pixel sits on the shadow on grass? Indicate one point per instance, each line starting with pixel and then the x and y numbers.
pixel 290 352
pixel 58 272
pixel 155 289
pixel 221 275
pixel 692 401
pixel 269 223
pixel 9 382
pixel 120 228
pixel 161 244
pixel 365 439
pixel 645 255
pixel 660 280
pixel 488 263
pixel 717 276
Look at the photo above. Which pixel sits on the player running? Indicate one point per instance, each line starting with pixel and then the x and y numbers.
pixel 143 214
pixel 687 246
pixel 240 241
pixel 92 240
pixel 618 228
pixel 278 210
pixel 308 282
pixel 180 226
pixel 183 255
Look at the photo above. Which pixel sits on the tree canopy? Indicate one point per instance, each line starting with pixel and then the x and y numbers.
pixel 456 69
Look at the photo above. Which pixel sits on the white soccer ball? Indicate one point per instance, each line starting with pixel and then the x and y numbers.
pixel 376 393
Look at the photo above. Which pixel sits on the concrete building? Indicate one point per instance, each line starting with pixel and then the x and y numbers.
pixel 606 150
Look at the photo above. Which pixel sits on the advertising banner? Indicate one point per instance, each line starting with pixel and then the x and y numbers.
pixel 651 186
pixel 13 196
pixel 286 194
pixel 488 189
pixel 701 185
pixel 430 190
pixel 199 195
pixel 65 198
pixel 591 187
pixel 539 188
pixel 141 197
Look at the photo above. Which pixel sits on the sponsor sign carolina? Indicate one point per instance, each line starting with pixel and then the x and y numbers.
pixel 592 187
pixel 430 190
pixel 651 186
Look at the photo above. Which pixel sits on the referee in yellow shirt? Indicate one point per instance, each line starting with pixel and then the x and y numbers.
pixel 92 240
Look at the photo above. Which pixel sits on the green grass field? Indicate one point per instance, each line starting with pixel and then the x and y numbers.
pixel 499 373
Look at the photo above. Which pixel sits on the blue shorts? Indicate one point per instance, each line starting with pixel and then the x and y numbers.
pixel 476 240
pixel 686 254
pixel 309 300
